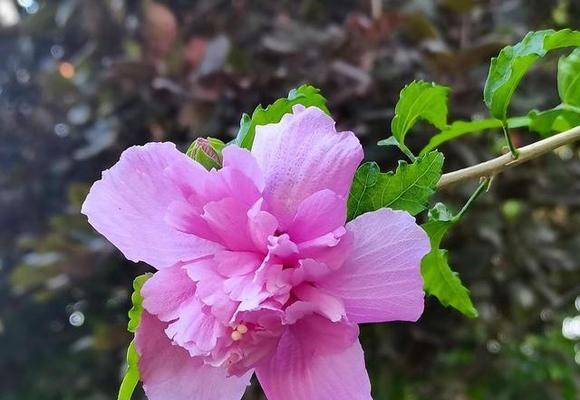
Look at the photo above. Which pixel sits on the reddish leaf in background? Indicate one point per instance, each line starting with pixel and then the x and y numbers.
pixel 159 32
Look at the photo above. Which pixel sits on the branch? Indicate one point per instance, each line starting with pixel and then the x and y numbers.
pixel 490 168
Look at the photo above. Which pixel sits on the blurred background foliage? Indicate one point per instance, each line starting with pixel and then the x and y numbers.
pixel 81 80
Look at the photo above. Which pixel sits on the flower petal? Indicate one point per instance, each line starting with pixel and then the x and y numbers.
pixel 186 218
pixel 244 161
pixel 236 263
pixel 166 291
pixel 195 330
pixel 262 225
pixel 228 219
pixel 381 280
pixel 316 359
pixel 169 373
pixel 210 289
pixel 319 214
pixel 314 300
pixel 128 206
pixel 301 155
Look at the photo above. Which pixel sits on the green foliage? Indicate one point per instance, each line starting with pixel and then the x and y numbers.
pixel 439 280
pixel 566 115
pixel 408 188
pixel 569 78
pixel 137 300
pixel 132 375
pixel 506 71
pixel 460 128
pixel 558 119
pixel 390 141
pixel 306 95
pixel 512 63
pixel 418 101
pixel 207 152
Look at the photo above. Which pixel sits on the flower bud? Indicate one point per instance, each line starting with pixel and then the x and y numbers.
pixel 207 152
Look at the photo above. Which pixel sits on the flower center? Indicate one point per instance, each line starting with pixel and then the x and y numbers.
pixel 238 332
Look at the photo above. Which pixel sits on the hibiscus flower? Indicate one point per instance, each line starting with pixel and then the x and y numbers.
pixel 257 269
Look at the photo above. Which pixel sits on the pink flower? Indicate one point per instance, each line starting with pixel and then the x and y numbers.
pixel 256 269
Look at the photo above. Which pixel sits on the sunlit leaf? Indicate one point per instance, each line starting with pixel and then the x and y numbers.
pixel 569 78
pixel 512 63
pixel 408 188
pixel 306 95
pixel 419 101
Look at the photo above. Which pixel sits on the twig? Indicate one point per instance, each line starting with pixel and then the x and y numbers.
pixel 490 168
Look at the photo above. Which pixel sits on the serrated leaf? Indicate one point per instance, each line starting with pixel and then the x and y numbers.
pixel 408 188
pixel 419 101
pixel 438 277
pixel 461 128
pixel 512 63
pixel 132 375
pixel 440 220
pixel 553 121
pixel 441 282
pixel 306 95
pixel 440 213
pixel 569 78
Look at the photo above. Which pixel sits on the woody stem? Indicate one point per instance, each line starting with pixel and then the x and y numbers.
pixel 490 168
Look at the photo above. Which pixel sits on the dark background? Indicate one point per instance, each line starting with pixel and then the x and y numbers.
pixel 81 80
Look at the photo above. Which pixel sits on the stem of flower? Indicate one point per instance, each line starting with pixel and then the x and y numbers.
pixel 483 186
pixel 493 167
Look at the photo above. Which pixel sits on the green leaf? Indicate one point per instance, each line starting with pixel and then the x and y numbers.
pixel 461 128
pixel 440 220
pixel 390 141
pixel 419 101
pixel 512 63
pixel 132 375
pixel 439 280
pixel 306 95
pixel 553 121
pixel 408 188
pixel 569 78
pixel 443 283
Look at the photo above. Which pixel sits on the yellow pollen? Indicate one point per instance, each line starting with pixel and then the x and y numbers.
pixel 242 328
pixel 236 336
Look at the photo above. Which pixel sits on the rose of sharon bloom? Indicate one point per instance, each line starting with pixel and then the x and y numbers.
pixel 256 269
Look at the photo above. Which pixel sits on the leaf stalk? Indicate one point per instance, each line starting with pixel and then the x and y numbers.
pixel 506 132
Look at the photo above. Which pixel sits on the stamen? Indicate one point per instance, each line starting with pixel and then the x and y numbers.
pixel 242 328
pixel 236 336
